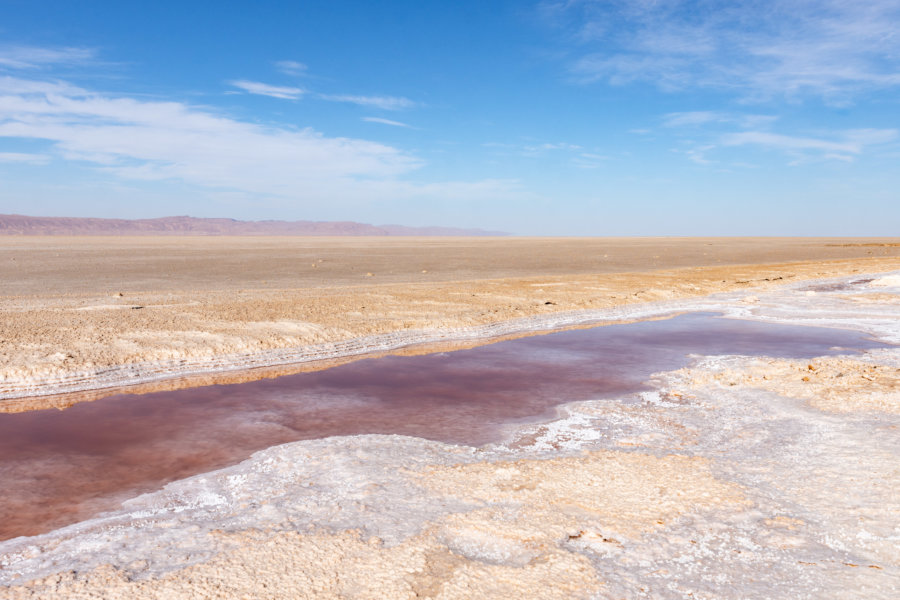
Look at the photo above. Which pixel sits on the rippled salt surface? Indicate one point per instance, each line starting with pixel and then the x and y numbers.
pixel 63 466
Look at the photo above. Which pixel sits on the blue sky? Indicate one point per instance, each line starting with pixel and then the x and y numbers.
pixel 546 118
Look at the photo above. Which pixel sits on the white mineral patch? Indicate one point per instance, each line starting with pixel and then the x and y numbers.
pixel 791 305
pixel 886 281
pixel 339 483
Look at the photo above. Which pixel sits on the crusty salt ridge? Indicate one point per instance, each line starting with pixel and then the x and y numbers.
pixel 135 373
pixel 699 489
pixel 147 371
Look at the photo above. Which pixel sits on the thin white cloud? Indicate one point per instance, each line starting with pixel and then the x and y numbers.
pixel 16 86
pixel 843 146
pixel 159 140
pixel 559 146
pixel 542 149
pixel 789 142
pixel 386 122
pixel 24 158
pixel 589 160
pixel 533 150
pixel 30 57
pixel 291 67
pixel 702 117
pixel 834 49
pixel 382 102
pixel 697 154
pixel 687 119
pixel 264 89
pixel 870 137
pixel 142 140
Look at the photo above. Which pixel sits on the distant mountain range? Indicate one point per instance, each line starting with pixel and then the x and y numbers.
pixel 25 225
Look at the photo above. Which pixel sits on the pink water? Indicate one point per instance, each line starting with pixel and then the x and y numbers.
pixel 60 467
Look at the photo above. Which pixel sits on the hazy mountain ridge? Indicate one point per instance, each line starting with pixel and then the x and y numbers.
pixel 184 225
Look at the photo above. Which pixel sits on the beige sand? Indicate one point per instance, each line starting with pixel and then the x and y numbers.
pixel 74 307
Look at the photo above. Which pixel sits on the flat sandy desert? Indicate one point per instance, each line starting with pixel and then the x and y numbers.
pixel 758 472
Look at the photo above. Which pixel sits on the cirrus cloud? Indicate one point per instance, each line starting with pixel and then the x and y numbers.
pixel 147 140
pixel 382 102
pixel 387 122
pixel 31 57
pixel 291 67
pixel 264 89
pixel 833 49
pixel 24 158
pixel 843 146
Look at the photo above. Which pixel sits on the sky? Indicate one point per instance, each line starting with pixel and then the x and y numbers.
pixel 579 117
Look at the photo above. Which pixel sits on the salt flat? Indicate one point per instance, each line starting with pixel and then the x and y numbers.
pixel 734 477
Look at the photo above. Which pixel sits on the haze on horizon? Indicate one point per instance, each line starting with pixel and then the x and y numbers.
pixel 574 117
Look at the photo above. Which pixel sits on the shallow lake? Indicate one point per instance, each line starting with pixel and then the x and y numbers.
pixel 60 467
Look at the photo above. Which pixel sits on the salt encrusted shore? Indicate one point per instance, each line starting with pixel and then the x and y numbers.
pixel 143 372
pixel 728 480
pixel 151 371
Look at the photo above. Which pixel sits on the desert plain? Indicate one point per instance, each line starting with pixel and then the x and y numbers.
pixel 737 476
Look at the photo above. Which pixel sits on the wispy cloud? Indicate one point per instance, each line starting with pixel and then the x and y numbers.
pixel 159 140
pixel 788 142
pixel 704 118
pixel 565 153
pixel 843 146
pixel 264 89
pixel 382 102
pixel 537 150
pixel 30 57
pixel 291 67
pixel 386 122
pixel 687 119
pixel 710 136
pixel 555 146
pixel 141 140
pixel 533 150
pixel 589 160
pixel 24 158
pixel 18 86
pixel 697 154
pixel 834 49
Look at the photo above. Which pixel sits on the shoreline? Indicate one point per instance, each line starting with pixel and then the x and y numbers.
pixel 126 376
pixel 129 377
